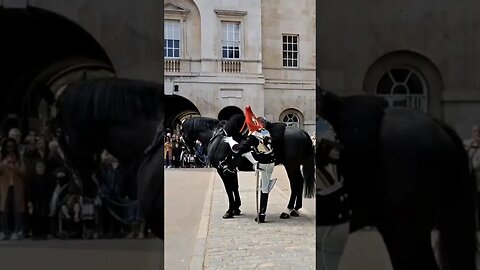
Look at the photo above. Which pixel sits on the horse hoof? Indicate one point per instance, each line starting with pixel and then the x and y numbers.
pixel 237 212
pixel 284 215
pixel 260 219
pixel 294 213
pixel 228 215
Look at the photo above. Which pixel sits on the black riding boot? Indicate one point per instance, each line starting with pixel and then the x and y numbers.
pixel 263 207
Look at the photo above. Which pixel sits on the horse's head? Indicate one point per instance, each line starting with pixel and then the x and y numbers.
pixel 234 126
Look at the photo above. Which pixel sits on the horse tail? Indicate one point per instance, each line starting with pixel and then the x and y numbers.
pixel 309 170
pixel 457 219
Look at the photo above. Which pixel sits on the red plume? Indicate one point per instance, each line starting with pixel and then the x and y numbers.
pixel 251 120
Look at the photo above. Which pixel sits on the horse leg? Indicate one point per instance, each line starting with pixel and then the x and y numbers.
pixel 409 245
pixel 292 173
pixel 228 184
pixel 296 187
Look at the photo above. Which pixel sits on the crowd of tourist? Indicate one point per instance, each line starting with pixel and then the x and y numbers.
pixel 41 198
pixel 178 155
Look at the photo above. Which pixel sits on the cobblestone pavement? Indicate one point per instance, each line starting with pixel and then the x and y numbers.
pixel 241 243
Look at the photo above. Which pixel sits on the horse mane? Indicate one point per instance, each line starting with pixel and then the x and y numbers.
pixel 200 124
pixel 332 107
pixel 112 99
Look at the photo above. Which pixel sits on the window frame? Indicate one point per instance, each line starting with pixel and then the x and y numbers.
pixel 410 98
pixel 180 39
pixel 292 51
pixel 226 22
pixel 298 114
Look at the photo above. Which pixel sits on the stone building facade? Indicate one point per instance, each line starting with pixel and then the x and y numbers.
pixel 423 55
pixel 224 55
pixel 56 42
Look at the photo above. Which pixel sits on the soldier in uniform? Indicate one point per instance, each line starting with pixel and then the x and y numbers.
pixel 257 148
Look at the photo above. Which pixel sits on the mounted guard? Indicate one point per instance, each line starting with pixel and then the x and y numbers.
pixel 257 148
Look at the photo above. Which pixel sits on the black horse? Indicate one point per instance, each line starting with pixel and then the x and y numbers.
pixel 292 147
pixel 407 174
pixel 126 118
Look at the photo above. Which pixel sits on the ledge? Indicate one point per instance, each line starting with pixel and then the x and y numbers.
pixel 170 8
pixel 226 12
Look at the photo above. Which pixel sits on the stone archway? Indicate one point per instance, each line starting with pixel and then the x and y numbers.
pixel 42 49
pixel 228 112
pixel 177 109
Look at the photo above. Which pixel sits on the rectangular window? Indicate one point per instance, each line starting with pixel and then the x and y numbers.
pixel 231 40
pixel 290 50
pixel 171 48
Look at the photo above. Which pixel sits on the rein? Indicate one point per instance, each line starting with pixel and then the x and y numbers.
pixel 216 133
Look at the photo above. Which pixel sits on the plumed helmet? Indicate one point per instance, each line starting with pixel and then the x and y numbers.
pixel 251 120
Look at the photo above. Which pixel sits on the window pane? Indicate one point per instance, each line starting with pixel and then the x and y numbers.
pixel 385 84
pixel 289 39
pixel 289 55
pixel 165 53
pixel 295 47
pixel 284 46
pixel 284 39
pixel 176 53
pixel 415 85
pixel 231 40
pixel 289 63
pixel 295 55
pixel 237 35
pixel 294 39
pixel 400 89
pixel 400 75
pixel 290 47
pixel 176 44
pixel 284 55
pixel 295 63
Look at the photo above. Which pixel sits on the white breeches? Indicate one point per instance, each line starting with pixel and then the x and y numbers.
pixel 266 171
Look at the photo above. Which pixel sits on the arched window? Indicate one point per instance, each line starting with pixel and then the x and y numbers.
pixel 292 117
pixel 403 87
